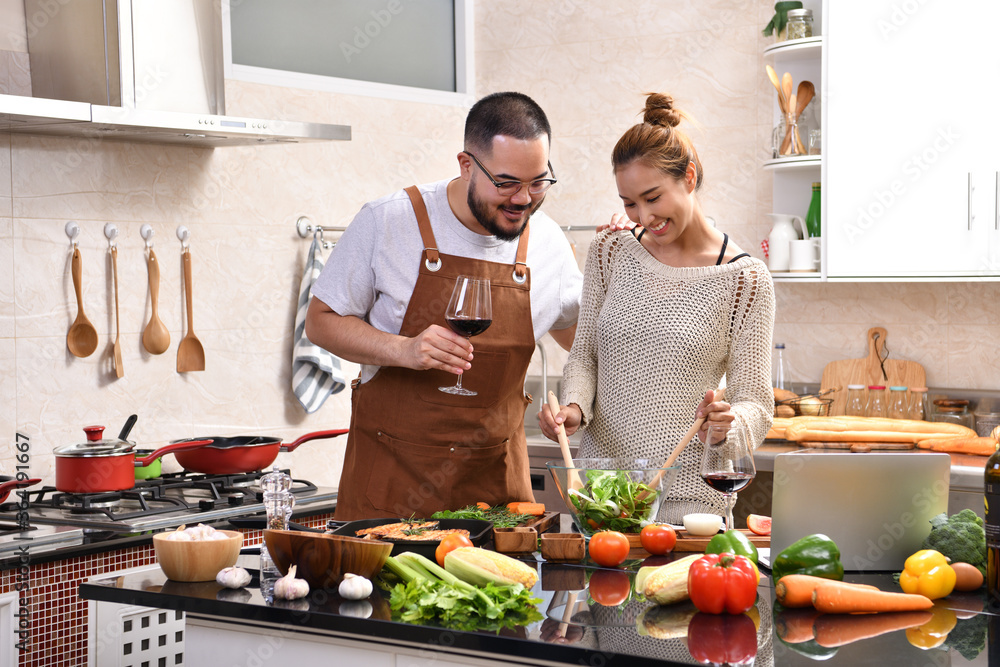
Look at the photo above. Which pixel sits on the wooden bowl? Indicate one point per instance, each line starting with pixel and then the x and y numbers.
pixel 516 540
pixel 323 559
pixel 563 547
pixel 196 560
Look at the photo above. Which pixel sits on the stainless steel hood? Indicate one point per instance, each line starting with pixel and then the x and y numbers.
pixel 138 70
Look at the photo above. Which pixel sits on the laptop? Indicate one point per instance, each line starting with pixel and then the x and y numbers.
pixel 875 506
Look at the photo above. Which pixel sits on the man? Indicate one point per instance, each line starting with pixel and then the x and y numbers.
pixel 381 301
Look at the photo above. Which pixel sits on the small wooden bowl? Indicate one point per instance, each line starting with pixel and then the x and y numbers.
pixel 519 539
pixel 558 577
pixel 196 560
pixel 323 559
pixel 563 547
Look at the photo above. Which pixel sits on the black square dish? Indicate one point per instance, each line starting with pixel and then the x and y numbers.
pixel 479 532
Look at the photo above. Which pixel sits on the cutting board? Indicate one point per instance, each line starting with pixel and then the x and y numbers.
pixel 687 542
pixel 868 371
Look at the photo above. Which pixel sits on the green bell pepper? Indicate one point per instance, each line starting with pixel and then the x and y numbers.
pixel 732 542
pixel 816 555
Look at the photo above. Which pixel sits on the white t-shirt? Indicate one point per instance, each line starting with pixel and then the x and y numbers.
pixel 373 269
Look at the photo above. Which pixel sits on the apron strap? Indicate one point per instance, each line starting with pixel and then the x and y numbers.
pixel 520 260
pixel 424 223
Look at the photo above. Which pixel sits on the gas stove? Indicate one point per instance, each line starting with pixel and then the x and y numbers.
pixel 165 502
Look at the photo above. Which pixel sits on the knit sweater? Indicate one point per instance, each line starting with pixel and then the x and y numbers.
pixel 650 341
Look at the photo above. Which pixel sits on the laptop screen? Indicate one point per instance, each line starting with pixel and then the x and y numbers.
pixel 875 506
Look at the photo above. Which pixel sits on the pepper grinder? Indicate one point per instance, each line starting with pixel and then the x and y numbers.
pixel 278 503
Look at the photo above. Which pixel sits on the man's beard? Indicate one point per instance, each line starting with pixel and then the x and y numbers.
pixel 482 212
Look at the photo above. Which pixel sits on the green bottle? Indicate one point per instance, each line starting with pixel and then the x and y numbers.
pixel 812 217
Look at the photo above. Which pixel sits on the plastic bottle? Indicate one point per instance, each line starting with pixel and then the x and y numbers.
pixel 779 366
pixel 876 401
pixel 855 400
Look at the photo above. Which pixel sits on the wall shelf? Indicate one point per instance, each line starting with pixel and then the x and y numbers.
pixel 795 162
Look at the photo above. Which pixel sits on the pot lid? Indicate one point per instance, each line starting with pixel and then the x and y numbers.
pixel 95 445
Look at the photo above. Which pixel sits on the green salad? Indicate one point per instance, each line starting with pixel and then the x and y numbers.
pixel 610 500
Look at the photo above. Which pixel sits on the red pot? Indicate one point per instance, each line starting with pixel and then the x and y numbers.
pixel 245 453
pixel 98 466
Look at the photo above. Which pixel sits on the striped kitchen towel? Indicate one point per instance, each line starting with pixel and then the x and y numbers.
pixel 316 372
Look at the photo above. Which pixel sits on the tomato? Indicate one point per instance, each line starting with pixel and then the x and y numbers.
pixel 610 587
pixel 608 548
pixel 450 543
pixel 658 539
pixel 759 525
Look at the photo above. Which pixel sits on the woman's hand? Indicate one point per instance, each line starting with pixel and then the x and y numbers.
pixel 714 412
pixel 619 221
pixel 569 416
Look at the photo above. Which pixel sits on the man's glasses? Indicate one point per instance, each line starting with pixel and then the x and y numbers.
pixel 510 188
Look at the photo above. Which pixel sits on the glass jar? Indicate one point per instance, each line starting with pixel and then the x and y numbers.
pixel 899 406
pixel 918 403
pixel 800 24
pixel 778 370
pixel 876 401
pixel 855 400
pixel 953 411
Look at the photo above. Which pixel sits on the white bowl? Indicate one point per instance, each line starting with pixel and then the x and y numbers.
pixel 702 525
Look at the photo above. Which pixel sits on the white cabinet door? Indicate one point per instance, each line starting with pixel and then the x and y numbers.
pixel 911 159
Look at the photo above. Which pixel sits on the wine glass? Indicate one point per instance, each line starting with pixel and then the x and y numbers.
pixel 470 313
pixel 727 463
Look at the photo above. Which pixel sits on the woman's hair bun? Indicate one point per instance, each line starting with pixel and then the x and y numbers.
pixel 660 111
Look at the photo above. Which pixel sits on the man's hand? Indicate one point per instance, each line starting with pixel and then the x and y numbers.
pixel 439 348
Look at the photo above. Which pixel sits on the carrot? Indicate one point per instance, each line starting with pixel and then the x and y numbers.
pixel 795 626
pixel 514 505
pixel 483 506
pixel 534 509
pixel 841 598
pixel 833 630
pixel 974 446
pixel 796 590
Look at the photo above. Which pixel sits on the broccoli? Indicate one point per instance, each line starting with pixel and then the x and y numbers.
pixel 969 637
pixel 960 537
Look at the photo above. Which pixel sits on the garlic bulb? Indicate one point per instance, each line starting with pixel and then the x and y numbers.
pixel 290 588
pixel 233 577
pixel 354 587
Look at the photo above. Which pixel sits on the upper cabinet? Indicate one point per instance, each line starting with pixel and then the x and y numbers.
pixel 912 166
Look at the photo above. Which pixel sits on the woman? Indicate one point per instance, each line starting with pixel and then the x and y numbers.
pixel 665 314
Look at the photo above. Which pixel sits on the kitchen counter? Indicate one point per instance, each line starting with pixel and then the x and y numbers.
pixel 222 624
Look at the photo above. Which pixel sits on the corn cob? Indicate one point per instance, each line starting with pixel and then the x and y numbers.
pixel 669 583
pixel 480 567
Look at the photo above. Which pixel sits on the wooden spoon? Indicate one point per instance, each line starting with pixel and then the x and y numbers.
pixel 786 89
pixel 673 456
pixel 572 476
pixel 786 143
pixel 773 76
pixel 119 366
pixel 804 96
pixel 82 336
pixel 155 337
pixel 190 353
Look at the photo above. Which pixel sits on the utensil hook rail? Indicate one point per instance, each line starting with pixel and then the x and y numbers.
pixel 305 227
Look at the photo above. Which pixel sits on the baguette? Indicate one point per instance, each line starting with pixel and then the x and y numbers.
pixel 959 445
pixel 871 429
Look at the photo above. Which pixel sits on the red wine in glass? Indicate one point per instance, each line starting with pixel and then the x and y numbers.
pixel 727 463
pixel 728 482
pixel 469 313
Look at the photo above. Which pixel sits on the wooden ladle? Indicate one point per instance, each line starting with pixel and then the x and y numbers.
pixel 190 353
pixel 155 337
pixel 119 366
pixel 82 336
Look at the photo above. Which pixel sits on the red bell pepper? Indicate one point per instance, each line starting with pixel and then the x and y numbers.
pixel 722 582
pixel 722 639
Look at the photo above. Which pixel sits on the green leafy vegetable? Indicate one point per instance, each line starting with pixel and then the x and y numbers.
pixel 610 501
pixel 500 516
pixel 429 594
pixel 960 537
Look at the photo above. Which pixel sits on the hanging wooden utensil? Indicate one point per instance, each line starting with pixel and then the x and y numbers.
pixel 82 336
pixel 119 366
pixel 190 353
pixel 155 337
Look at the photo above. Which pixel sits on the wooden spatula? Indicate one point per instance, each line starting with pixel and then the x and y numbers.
pixel 572 476
pixel 190 353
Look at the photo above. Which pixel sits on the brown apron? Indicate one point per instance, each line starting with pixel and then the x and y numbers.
pixel 412 449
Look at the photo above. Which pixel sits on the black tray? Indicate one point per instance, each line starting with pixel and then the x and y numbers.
pixel 479 532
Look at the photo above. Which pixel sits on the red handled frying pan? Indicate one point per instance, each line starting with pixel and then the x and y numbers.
pixel 8 484
pixel 242 453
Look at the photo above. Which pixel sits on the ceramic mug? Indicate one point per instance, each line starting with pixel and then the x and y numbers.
pixel 803 256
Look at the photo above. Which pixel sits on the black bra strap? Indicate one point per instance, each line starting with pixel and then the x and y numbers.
pixel 739 256
pixel 638 237
pixel 725 242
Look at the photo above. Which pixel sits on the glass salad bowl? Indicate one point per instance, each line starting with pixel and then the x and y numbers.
pixel 612 494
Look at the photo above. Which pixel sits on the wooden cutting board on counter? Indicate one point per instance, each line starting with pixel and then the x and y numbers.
pixel 869 371
pixel 687 542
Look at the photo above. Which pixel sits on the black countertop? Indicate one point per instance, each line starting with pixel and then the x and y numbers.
pixel 599 635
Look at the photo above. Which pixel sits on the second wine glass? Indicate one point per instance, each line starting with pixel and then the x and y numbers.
pixel 727 463
pixel 470 313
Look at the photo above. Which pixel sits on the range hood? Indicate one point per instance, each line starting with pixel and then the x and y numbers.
pixel 138 70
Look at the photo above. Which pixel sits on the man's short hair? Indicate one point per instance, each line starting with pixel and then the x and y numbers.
pixel 508 114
